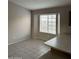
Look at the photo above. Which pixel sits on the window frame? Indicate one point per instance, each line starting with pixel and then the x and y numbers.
pixel 56 23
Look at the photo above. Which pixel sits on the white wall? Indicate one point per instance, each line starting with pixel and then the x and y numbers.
pixel 19 23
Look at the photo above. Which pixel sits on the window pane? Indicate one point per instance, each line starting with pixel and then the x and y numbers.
pixel 48 23
pixel 43 16
pixel 52 28
pixel 52 24
pixel 52 20
pixel 52 16
pixel 43 23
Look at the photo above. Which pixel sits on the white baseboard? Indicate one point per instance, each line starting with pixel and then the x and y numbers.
pixel 18 41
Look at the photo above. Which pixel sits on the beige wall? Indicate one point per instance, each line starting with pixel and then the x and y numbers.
pixel 19 23
pixel 64 18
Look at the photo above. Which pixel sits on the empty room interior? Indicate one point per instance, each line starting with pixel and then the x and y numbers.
pixel 39 29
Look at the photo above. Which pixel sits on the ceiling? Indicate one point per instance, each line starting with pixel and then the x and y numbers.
pixel 39 4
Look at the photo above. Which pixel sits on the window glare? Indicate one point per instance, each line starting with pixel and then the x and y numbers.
pixel 48 23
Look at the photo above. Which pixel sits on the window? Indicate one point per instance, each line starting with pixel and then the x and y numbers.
pixel 48 23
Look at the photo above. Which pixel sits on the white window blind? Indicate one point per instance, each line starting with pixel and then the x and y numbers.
pixel 48 23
